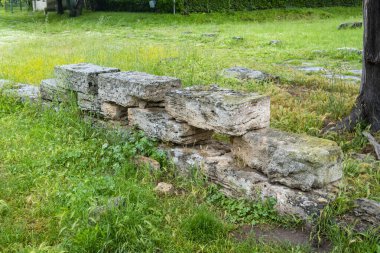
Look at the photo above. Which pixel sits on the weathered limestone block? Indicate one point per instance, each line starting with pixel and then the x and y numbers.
pixel 243 73
pixel 113 111
pixel 51 91
pixel 82 77
pixel 120 87
pixel 89 103
pixel 156 123
pixel 25 92
pixel 225 111
pixel 239 181
pixel 297 161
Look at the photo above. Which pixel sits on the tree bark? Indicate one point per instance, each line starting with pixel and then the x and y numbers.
pixel 367 107
pixel 59 7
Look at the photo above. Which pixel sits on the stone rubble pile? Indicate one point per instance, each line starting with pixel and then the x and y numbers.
pixel 301 172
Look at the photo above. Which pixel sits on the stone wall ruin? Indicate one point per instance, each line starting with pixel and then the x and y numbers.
pixel 300 171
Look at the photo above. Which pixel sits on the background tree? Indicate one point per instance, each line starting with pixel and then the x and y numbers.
pixel 75 7
pixel 367 106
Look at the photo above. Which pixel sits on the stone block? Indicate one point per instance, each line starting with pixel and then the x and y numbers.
pixel 224 111
pixel 52 92
pixel 297 161
pixel 89 103
pixel 156 123
pixel 119 87
pixel 82 77
pixel 113 111
pixel 238 181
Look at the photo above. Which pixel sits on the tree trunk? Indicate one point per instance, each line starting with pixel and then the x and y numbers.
pixel 367 107
pixel 59 7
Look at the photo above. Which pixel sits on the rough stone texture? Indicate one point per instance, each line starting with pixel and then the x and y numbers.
pixel 275 42
pixel 164 188
pixel 364 217
pixel 119 87
pixel 368 210
pixel 225 111
pixel 144 161
pixel 350 25
pixel 238 181
pixel 243 73
pixel 82 77
pixel 51 91
pixel 297 161
pixel 113 111
pixel 26 92
pixel 89 103
pixel 156 123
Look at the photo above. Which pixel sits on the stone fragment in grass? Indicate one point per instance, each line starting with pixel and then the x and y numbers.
pixel 52 92
pixel 82 77
pixel 247 74
pixel 297 161
pixel 120 87
pixel 89 103
pixel 275 42
pixel 164 188
pixel 3 83
pixel 238 181
pixel 113 111
pixel 25 92
pixel 157 123
pixel 343 77
pixel 350 50
pixel 224 111
pixel 144 161
pixel 350 25
pixel 311 69
pixel 237 38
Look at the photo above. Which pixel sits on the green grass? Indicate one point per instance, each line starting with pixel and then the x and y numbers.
pixel 59 176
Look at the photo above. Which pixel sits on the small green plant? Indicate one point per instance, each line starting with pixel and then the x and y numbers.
pixel 203 226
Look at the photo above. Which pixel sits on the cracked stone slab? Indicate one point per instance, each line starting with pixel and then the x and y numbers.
pixel 236 180
pixel 157 123
pixel 81 77
pixel 224 111
pixel 25 92
pixel 297 161
pixel 120 87
pixel 51 91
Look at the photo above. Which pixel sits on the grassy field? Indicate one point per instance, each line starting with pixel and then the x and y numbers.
pixel 60 178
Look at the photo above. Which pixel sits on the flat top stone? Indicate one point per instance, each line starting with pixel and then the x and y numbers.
pixel 139 77
pixel 87 68
pixel 218 96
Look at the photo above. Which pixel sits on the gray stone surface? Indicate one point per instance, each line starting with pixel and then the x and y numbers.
pixel 120 87
pixel 52 92
pixel 243 73
pixel 82 77
pixel 311 69
pixel 235 180
pixel 89 103
pixel 297 161
pixel 225 111
pixel 368 210
pixel 350 25
pixel 113 111
pixel 275 42
pixel 26 92
pixel 157 123
pixel 4 82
